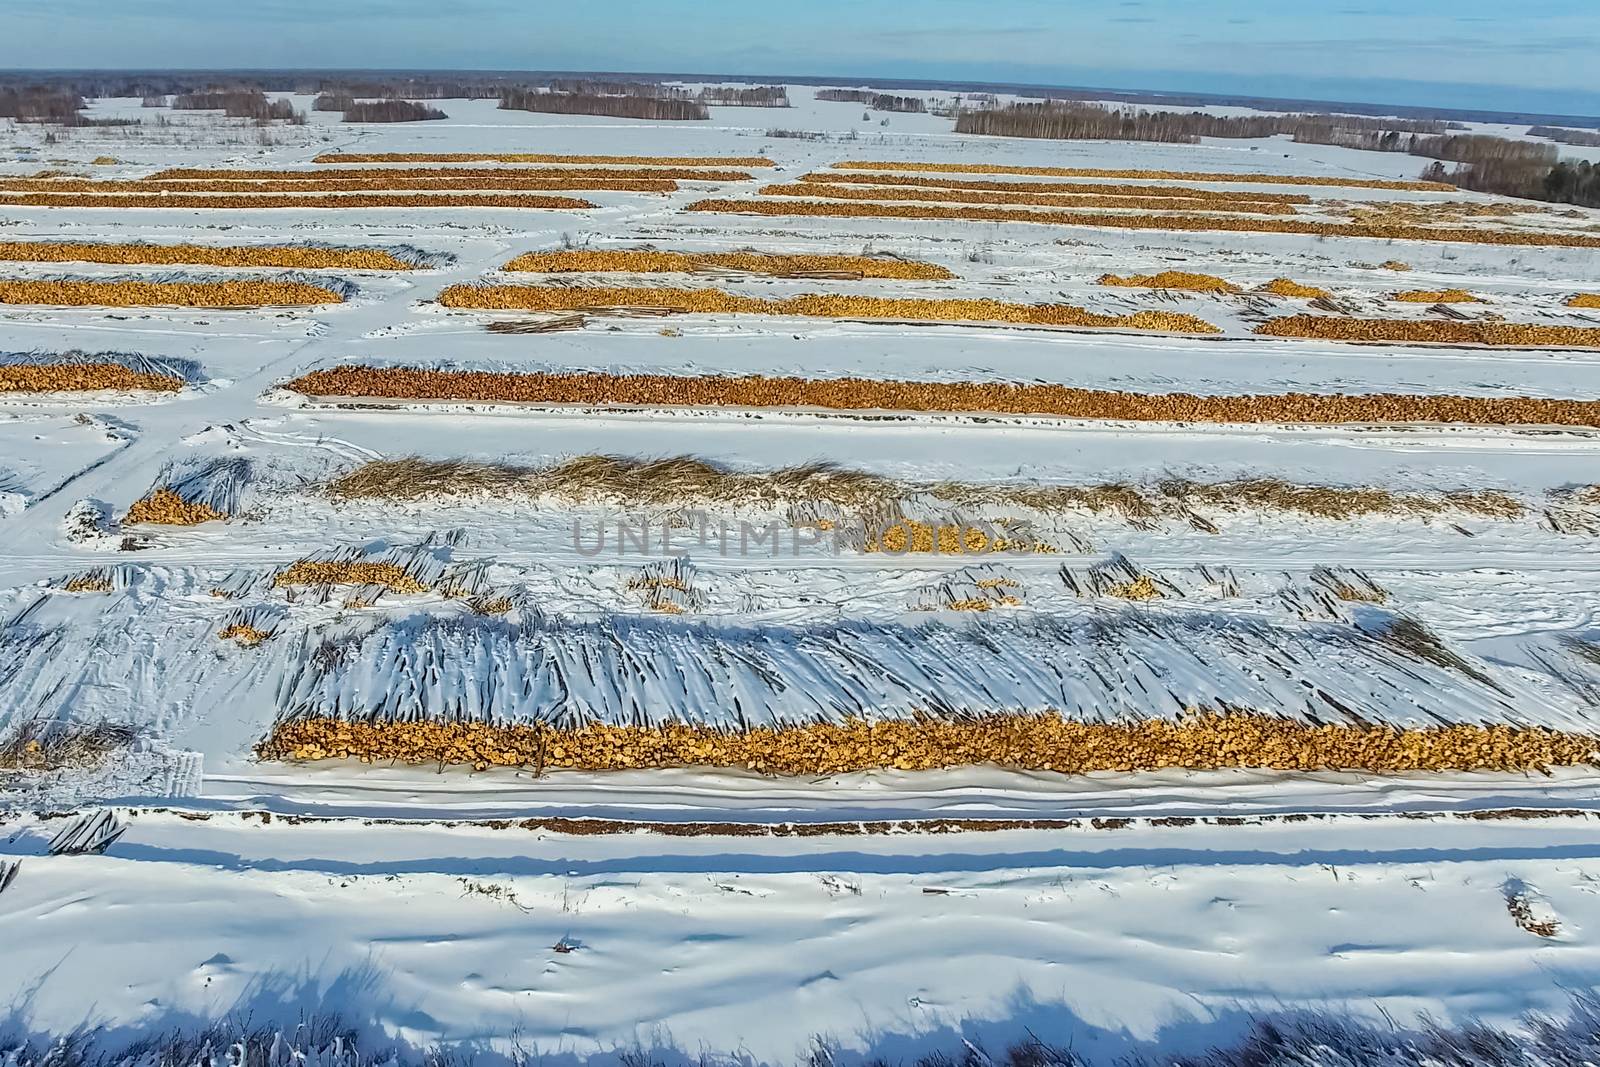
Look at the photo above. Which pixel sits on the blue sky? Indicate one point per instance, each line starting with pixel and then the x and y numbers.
pixel 1538 55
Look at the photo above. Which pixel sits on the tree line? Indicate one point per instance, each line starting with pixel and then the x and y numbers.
pixel 391 111
pixel 757 96
pixel 1569 182
pixel 240 104
pixel 1071 120
pixel 40 105
pixel 875 101
pixel 621 107
pixel 1587 138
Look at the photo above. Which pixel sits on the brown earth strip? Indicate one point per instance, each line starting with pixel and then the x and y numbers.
pixel 958 196
pixel 250 203
pixel 542 157
pixel 376 174
pixel 1057 188
pixel 649 261
pixel 1174 223
pixel 811 305
pixel 1164 175
pixel 510 183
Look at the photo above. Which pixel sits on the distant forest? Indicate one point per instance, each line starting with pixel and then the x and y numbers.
pixel 1576 182
pixel 621 107
pixel 423 84
pixel 390 111
pixel 239 104
pixel 874 101
pixel 1588 138
pixel 756 96
pixel 1069 120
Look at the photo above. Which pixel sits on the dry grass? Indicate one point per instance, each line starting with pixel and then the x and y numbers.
pixel 1432 212
pixel 649 261
pixel 305 257
pixel 1584 300
pixel 1351 586
pixel 1174 223
pixel 1428 331
pixel 543 157
pixel 814 305
pixel 1082 201
pixel 1289 287
pixel 340 201
pixel 1203 741
pixel 1335 502
pixel 864 394
pixel 1436 296
pixel 1172 279
pixel 124 293
pixel 1415 639
pixel 83 377
pixel 1398 266
pixel 313 178
pixel 1150 175
pixel 677 481
pixel 165 507
pixel 652 482
pixel 50 745
pixel 1058 188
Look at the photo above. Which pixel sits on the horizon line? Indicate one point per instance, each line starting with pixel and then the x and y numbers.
pixel 951 84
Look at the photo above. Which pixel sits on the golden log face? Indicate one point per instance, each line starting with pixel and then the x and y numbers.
pixel 1204 741
pixel 856 394
pixel 307 258
pixel 82 377
pixel 168 294
pixel 1404 331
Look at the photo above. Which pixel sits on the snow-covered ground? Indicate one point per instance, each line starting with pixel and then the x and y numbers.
pixel 1097 937
pixel 1385 895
